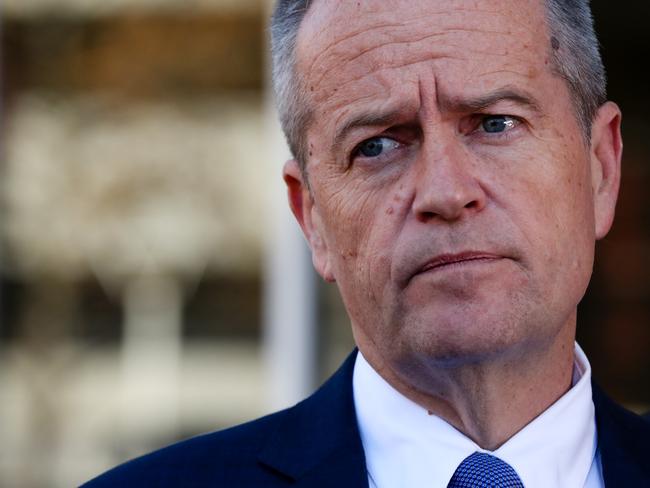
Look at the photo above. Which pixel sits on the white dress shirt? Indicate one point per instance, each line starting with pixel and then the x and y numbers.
pixel 406 447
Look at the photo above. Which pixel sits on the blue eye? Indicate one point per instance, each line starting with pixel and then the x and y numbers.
pixel 374 147
pixel 494 124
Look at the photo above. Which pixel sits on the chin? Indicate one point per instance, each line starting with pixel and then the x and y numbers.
pixel 463 337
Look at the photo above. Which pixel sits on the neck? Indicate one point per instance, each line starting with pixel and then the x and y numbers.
pixel 490 401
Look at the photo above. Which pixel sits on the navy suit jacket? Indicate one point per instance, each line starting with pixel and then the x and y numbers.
pixel 316 444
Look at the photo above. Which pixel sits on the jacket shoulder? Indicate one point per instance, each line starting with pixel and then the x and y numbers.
pixel 623 438
pixel 313 444
pixel 217 458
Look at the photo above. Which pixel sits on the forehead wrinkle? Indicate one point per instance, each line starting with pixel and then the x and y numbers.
pixel 422 38
pixel 436 56
pixel 429 54
pixel 515 74
pixel 394 29
pixel 350 36
pixel 391 67
pixel 421 57
pixel 360 31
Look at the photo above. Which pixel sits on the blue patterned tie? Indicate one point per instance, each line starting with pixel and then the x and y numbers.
pixel 481 470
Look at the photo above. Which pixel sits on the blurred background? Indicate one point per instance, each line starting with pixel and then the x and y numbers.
pixel 152 283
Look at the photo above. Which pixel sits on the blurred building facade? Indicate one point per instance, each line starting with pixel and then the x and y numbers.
pixel 134 224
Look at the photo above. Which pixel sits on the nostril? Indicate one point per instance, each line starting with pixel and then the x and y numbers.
pixel 426 216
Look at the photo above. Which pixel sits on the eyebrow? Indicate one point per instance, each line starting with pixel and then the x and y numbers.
pixel 445 104
pixel 476 104
pixel 388 117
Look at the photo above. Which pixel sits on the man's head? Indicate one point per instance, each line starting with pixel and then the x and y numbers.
pixel 455 192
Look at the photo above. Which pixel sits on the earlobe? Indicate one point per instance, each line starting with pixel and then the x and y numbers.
pixel 306 213
pixel 319 248
pixel 606 153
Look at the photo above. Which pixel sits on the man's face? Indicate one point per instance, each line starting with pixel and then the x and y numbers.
pixel 452 196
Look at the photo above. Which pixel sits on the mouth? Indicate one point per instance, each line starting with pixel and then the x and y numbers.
pixel 447 261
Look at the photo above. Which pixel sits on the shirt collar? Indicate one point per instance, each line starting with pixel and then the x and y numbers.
pixel 407 447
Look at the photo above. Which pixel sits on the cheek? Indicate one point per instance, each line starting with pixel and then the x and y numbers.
pixel 362 227
pixel 359 209
pixel 349 220
pixel 567 197
pixel 555 212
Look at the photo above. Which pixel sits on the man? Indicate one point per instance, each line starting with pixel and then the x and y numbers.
pixel 455 162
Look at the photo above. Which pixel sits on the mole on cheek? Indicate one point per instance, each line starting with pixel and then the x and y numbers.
pixel 390 211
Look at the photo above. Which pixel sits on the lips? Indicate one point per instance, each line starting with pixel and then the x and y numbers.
pixel 445 260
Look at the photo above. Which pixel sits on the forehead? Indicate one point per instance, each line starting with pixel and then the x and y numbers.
pixel 352 50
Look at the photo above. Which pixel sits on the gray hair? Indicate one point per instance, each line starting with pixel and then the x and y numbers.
pixel 576 57
pixel 574 51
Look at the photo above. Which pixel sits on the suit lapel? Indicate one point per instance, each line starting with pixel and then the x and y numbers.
pixel 622 442
pixel 318 443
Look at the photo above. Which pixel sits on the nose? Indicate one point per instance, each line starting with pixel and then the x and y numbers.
pixel 446 187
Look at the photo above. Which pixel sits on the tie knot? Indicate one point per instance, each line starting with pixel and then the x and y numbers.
pixel 481 470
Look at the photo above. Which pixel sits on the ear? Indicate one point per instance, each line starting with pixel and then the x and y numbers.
pixel 306 213
pixel 606 152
